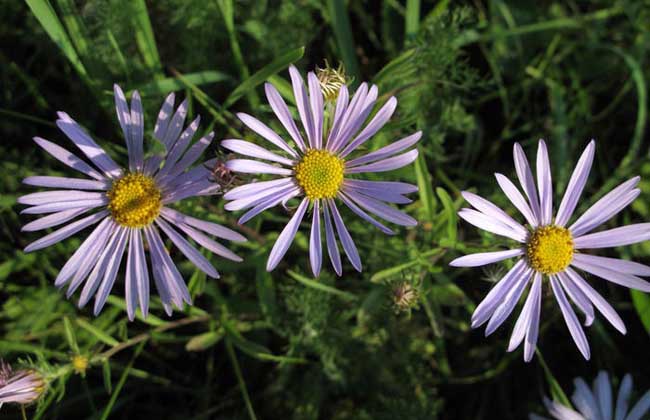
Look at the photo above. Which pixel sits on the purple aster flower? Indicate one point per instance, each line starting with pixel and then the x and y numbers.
pixel 598 402
pixel 22 387
pixel 318 169
pixel 547 248
pixel 131 206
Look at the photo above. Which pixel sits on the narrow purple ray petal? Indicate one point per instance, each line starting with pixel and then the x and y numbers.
pixel 627 280
pixel 386 151
pixel 353 125
pixel 532 329
pixel 607 213
pixel 65 232
pixel 379 120
pixel 286 236
pixel 521 326
pixel 174 281
pixel 98 236
pixel 137 132
pixel 488 224
pixel 159 279
pixel 576 185
pixel 280 197
pixel 346 240
pixel 110 274
pixel 641 408
pixel 248 166
pixel 191 155
pixel 527 181
pixel 302 103
pixel 585 400
pixel 385 165
pixel 607 202
pixel 164 117
pixel 354 108
pixel 45 197
pixel 130 282
pixel 208 227
pixel 624 235
pixel 356 209
pixel 599 302
pixel 175 126
pixel 281 111
pixel 544 183
pixel 88 146
pixel 491 210
pixel 623 398
pixel 558 411
pixel 68 158
pixel 571 319
pixel 123 117
pixel 382 210
pixel 315 247
pixel 255 188
pixel 505 308
pixel 202 187
pixel 68 183
pixel 208 243
pixel 339 113
pixel 517 199
pixel 53 219
pixel 152 164
pixel 255 199
pixel 486 308
pixel 316 103
pixel 97 274
pixel 578 297
pixel 484 258
pixel 603 392
pixel 622 266
pixel 332 247
pixel 65 205
pixel 179 148
pixel 142 273
pixel 249 149
pixel 381 194
pixel 264 131
pixel 396 187
pixel 188 250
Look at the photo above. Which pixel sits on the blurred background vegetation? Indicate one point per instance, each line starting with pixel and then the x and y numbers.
pixel 393 342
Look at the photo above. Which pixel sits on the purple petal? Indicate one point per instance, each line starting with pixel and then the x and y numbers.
pixel 164 116
pixel 395 187
pixel 188 250
pixel 386 151
pixel 484 258
pixel 255 188
pixel 282 112
pixel 510 301
pixel 302 103
pixel 578 297
pixel 142 273
pixel 571 319
pixel 607 213
pixel 68 158
pixel 379 120
pixel 255 199
pixel 124 118
pixel 533 322
pixel 65 232
pixel 45 197
pixel 208 243
pixel 585 400
pixel 89 258
pixel 97 274
pixel 175 126
pixel 316 103
pixel 166 270
pixel 249 149
pixel 264 131
pixel 488 224
pixel 351 112
pixel 130 282
pixel 516 199
pixel 627 280
pixel 607 202
pixel 641 408
pixel 603 392
pixel 253 167
pixel 544 183
pixel 65 205
pixel 381 194
pixel 339 113
pixel 332 247
pixel 623 399
pixel 558 411
pixel 286 237
pixel 527 181
pixel 382 210
pixel 346 240
pixel 53 219
pixel 384 165
pixel 192 154
pixel 523 321
pixel 625 235
pixel 137 132
pixel 315 247
pixel 208 227
pixel 280 197
pixel 576 185
pixel 68 183
pixel 348 202
pixel 88 146
pixel 179 148
pixel 491 210
pixel 599 302
pixel 622 266
pixel 112 267
pixel 353 125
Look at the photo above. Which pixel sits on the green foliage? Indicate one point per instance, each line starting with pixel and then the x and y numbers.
pixel 391 342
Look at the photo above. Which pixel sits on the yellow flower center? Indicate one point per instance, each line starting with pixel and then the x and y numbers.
pixel 331 80
pixel 320 174
pixel 550 249
pixel 80 364
pixel 134 200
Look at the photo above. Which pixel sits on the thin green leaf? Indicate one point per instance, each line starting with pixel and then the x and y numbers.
pixel 642 305
pixel 121 382
pixel 69 335
pixel 99 334
pixel 144 37
pixel 425 188
pixel 450 213
pixel 173 84
pixel 255 350
pixel 106 372
pixel 320 286
pixel 240 380
pixel 340 22
pixel 204 341
pixel 279 64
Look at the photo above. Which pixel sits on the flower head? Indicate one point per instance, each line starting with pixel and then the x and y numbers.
pixel 130 206
pixel 319 169
pixel 598 402
pixel 548 248
pixel 22 387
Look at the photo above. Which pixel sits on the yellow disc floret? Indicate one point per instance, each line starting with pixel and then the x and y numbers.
pixel 134 200
pixel 320 174
pixel 79 364
pixel 550 249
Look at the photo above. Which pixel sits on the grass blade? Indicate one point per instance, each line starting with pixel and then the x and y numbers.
pixel 340 22
pixel 145 39
pixel 322 287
